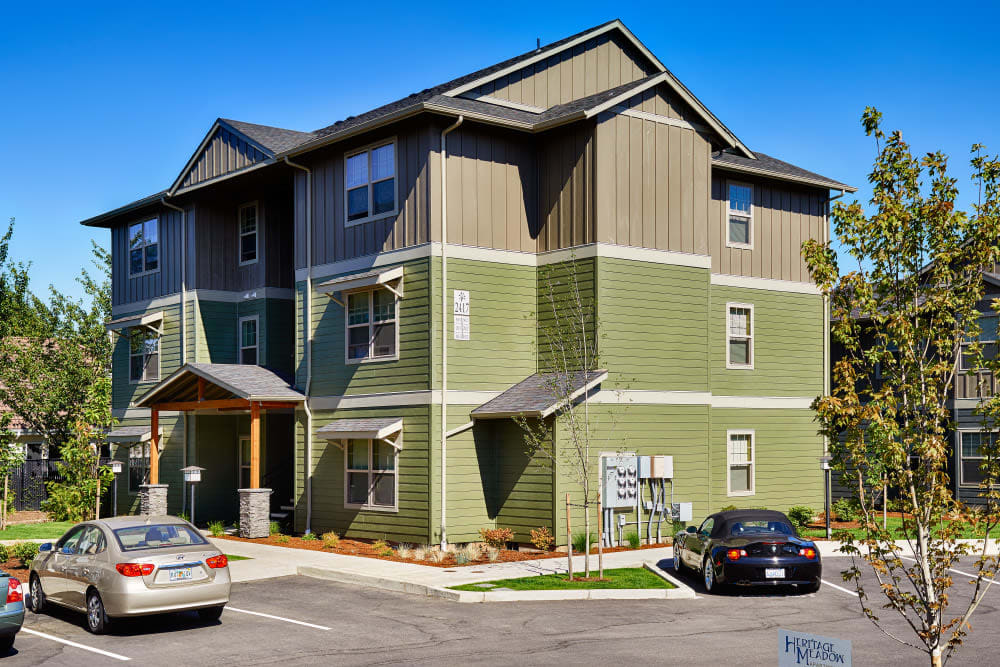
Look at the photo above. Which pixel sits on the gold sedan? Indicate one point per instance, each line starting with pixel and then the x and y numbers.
pixel 130 566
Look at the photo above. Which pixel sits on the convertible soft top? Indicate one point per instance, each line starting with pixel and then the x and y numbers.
pixel 726 519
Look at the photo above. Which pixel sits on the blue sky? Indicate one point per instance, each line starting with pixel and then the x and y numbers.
pixel 103 103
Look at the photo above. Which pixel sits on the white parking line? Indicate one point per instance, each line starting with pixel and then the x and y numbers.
pixel 278 618
pixel 964 574
pixel 840 588
pixel 109 654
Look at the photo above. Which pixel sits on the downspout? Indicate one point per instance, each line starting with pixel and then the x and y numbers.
pixel 307 341
pixel 827 475
pixel 184 453
pixel 444 326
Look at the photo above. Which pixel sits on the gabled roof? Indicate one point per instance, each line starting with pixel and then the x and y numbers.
pixel 765 165
pixel 274 139
pixel 539 395
pixel 253 383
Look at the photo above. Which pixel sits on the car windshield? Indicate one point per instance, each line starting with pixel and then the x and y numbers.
pixel 157 537
pixel 758 526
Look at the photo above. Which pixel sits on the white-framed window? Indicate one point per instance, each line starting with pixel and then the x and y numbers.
pixel 248 340
pixel 370 183
pixel 138 466
pixel 971 455
pixel 372 326
pixel 248 233
pixel 741 467
pixel 143 247
pixel 987 339
pixel 739 335
pixel 370 479
pixel 739 225
pixel 144 355
pixel 243 462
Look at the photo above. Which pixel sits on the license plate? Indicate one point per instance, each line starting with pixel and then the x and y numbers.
pixel 774 572
pixel 184 573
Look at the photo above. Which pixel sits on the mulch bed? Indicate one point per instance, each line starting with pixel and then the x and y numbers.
pixel 353 547
pixel 14 569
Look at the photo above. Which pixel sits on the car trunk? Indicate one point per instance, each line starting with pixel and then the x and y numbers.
pixel 176 566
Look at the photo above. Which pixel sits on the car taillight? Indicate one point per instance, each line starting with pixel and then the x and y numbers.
pixel 808 552
pixel 134 569
pixel 14 591
pixel 735 554
pixel 215 562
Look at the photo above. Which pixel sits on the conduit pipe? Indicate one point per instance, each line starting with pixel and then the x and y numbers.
pixel 444 326
pixel 307 341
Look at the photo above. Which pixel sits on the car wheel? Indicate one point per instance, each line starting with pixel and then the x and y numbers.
pixel 211 613
pixel 36 595
pixel 97 617
pixel 708 574
pixel 678 562
pixel 813 587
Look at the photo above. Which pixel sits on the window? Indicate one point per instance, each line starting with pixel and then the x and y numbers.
pixel 248 233
pixel 972 455
pixel 740 475
pixel 157 536
pixel 370 183
pixel 144 355
pixel 138 466
pixel 739 335
pixel 987 339
pixel 707 526
pixel 372 333
pixel 144 247
pixel 740 216
pixel 370 474
pixel 248 340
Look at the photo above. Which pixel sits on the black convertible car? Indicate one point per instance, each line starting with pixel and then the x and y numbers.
pixel 748 548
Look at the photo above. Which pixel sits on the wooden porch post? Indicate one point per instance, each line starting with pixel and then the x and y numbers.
pixel 154 446
pixel 255 445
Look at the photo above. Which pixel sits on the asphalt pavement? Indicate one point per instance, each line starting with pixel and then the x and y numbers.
pixel 298 620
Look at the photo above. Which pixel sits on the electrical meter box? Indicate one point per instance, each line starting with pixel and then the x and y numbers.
pixel 656 467
pixel 620 476
pixel 682 511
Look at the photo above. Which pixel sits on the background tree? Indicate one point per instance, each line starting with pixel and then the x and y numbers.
pixel 569 358
pixel 907 310
pixel 11 458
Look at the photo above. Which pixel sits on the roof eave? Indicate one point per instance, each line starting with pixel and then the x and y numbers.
pixel 334 137
pixel 830 185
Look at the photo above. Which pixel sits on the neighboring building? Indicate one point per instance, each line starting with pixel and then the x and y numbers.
pixel 320 257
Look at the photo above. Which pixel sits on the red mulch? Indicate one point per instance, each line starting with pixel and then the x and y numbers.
pixel 14 569
pixel 352 547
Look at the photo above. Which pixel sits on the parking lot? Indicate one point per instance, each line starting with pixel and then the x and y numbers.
pixel 303 621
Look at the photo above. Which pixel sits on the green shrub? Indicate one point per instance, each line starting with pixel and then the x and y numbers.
pixel 461 558
pixel 729 508
pixel 632 539
pixel 542 539
pixel 800 516
pixel 496 537
pixel 330 539
pixel 310 537
pixel 274 528
pixel 847 509
pixel 580 538
pixel 184 515
pixel 4 553
pixel 24 552
pixel 216 528
pixel 280 539
pixel 382 549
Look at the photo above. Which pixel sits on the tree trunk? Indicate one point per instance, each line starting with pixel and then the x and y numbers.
pixel 936 658
pixel 3 519
pixel 586 539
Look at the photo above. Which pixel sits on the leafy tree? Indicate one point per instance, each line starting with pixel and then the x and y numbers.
pixel 907 311
pixel 21 313
pixel 74 496
pixel 11 458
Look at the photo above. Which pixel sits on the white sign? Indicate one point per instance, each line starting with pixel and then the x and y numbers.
pixel 462 311
pixel 803 648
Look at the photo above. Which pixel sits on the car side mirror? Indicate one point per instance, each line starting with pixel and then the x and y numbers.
pixel 692 529
pixel 45 546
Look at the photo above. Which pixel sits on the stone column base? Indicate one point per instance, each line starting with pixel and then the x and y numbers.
pixel 255 512
pixel 153 499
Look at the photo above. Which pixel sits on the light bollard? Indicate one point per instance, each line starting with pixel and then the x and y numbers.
pixel 192 475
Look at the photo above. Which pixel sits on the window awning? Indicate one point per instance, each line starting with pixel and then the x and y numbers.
pixel 132 434
pixel 147 320
pixel 386 429
pixel 354 281
pixel 540 395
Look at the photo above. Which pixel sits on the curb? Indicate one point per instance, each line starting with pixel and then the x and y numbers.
pixel 682 592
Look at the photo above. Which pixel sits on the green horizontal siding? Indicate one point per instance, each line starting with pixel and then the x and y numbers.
pixel 787 342
pixel 653 320
pixel 123 391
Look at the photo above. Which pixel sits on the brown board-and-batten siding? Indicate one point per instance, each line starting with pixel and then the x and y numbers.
pixel 334 240
pixel 164 280
pixel 224 153
pixel 598 64
pixel 784 215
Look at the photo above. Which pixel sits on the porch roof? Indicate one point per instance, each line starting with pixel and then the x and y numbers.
pixel 361 280
pixel 132 434
pixel 540 395
pixel 221 381
pixel 144 320
pixel 374 429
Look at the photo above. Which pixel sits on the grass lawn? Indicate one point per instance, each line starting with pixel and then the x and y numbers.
pixel 895 525
pixel 626 577
pixel 235 557
pixel 37 531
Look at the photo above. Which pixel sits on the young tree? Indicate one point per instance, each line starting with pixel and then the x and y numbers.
pixel 568 361
pixel 11 458
pixel 907 311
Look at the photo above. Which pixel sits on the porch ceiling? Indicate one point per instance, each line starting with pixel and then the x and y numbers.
pixel 215 382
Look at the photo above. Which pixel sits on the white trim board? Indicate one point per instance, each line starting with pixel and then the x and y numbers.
pixel 224 296
pixel 456 251
pixel 771 284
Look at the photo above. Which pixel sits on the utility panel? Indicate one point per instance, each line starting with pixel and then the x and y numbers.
pixel 656 467
pixel 682 512
pixel 620 475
